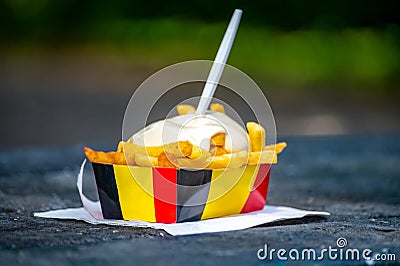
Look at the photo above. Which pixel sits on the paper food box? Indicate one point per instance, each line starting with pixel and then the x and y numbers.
pixel 215 168
pixel 169 195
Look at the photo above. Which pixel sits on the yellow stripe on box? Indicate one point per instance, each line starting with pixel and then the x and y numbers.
pixel 135 190
pixel 229 191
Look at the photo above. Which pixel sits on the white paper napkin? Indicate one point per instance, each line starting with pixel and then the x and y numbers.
pixel 228 223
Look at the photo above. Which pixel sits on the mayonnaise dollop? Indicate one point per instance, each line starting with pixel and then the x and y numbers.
pixel 196 129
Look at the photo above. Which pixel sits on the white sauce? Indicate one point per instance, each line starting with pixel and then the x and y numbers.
pixel 196 129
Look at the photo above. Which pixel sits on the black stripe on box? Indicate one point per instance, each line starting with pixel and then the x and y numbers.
pixel 192 194
pixel 107 190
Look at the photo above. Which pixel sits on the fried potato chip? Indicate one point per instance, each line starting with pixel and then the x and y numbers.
pixel 263 157
pixel 120 146
pixel 144 160
pixel 131 148
pixel 278 147
pixel 197 152
pixel 218 140
pixel 199 158
pixel 217 107
pixel 217 150
pixel 179 149
pixel 119 158
pixel 129 158
pixel 165 160
pixel 185 109
pixel 98 156
pixel 193 164
pixel 229 160
pixel 256 135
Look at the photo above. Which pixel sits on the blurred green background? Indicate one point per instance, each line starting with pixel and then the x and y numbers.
pixel 68 68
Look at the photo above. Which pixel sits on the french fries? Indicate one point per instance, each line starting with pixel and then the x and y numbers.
pixel 217 107
pixel 256 135
pixel 185 109
pixel 167 160
pixel 217 150
pixel 144 160
pixel 180 148
pixel 104 157
pixel 184 154
pixel 278 147
pixel 218 140
pixel 263 157
pixel 217 158
pixel 229 160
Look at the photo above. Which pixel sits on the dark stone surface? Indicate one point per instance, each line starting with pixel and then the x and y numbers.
pixel 356 178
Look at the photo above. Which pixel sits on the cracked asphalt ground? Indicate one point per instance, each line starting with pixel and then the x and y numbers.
pixel 355 178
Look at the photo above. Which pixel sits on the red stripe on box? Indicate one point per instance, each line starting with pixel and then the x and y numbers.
pixel 164 186
pixel 257 198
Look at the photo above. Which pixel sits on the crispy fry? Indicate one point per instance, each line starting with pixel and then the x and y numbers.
pixel 129 158
pixel 217 107
pixel 200 163
pixel 185 109
pixel 99 156
pixel 199 158
pixel 120 146
pixel 131 148
pixel 119 158
pixel 165 159
pixel 185 154
pixel 185 149
pixel 144 160
pixel 218 139
pixel 278 147
pixel 216 151
pixel 263 157
pixel 230 160
pixel 256 135
pixel 179 149
pixel 198 154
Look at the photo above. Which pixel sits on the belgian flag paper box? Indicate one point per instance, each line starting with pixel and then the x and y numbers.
pixel 170 195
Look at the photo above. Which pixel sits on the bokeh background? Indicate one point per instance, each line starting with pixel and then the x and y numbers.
pixel 69 67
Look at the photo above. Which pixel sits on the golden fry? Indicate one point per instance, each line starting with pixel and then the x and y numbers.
pixel 256 135
pixel 278 147
pixel 119 158
pixel 130 148
pixel 218 140
pixel 263 157
pixel 120 146
pixel 217 107
pixel 129 158
pixel 198 153
pixel 230 160
pixel 144 160
pixel 216 151
pixel 179 149
pixel 98 156
pixel 185 148
pixel 185 154
pixel 164 160
pixel 185 109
